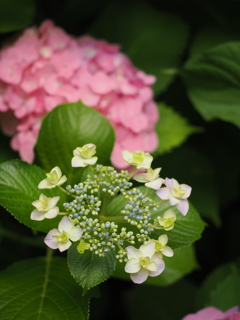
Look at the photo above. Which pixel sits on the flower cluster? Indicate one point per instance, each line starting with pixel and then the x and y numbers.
pixel 91 219
pixel 212 313
pixel 46 67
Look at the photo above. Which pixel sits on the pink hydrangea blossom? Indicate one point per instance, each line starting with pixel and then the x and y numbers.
pixel 46 67
pixel 212 313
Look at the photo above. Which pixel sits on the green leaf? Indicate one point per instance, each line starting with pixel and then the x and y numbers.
pixel 187 229
pixel 19 188
pixel 70 126
pixel 41 289
pixel 88 269
pixel 153 40
pixel 16 14
pixel 213 80
pixel 172 129
pixel 210 37
pixel 225 279
pixel 177 266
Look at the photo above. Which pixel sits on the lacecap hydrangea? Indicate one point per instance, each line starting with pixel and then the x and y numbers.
pixel 46 67
pixel 88 220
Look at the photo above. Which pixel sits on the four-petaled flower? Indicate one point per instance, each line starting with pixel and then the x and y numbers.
pixel 83 156
pixel 151 178
pixel 54 178
pixel 161 248
pixel 143 262
pixel 60 238
pixel 167 222
pixel 176 193
pixel 138 159
pixel 45 208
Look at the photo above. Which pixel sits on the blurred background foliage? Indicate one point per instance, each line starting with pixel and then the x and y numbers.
pixel 193 49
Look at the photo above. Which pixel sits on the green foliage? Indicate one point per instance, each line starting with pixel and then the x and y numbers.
pixel 177 266
pixel 212 81
pixel 41 288
pixel 19 188
pixel 70 126
pixel 186 229
pixel 88 269
pixel 221 289
pixel 16 14
pixel 172 129
pixel 153 40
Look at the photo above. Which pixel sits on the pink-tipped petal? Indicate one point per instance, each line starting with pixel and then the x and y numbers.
pixel 50 241
pixel 140 276
pixel 183 207
pixel 163 193
pixel 160 267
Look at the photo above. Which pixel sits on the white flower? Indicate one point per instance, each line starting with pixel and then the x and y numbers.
pixel 167 222
pixel 54 178
pixel 138 159
pixel 83 156
pixel 176 193
pixel 143 262
pixel 151 178
pixel 45 208
pixel 161 248
pixel 60 238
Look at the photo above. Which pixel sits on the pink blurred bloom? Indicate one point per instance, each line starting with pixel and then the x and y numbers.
pixel 212 313
pixel 176 193
pixel 46 67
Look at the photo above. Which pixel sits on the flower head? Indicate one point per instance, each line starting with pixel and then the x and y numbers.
pixel 151 178
pixel 176 193
pixel 138 159
pixel 46 67
pixel 143 262
pixel 212 313
pixel 60 238
pixel 167 222
pixel 83 156
pixel 54 178
pixel 45 208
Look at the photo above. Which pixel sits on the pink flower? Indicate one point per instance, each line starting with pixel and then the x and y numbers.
pixel 176 193
pixel 212 313
pixel 46 67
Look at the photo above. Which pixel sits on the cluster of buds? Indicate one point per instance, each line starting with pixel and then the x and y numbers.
pixel 86 218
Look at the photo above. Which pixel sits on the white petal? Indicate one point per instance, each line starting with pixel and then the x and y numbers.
pixel 169 214
pixel 91 161
pixel 75 233
pixel 155 184
pixel 53 201
pixel 76 152
pixel 133 253
pixel 65 224
pixel 62 180
pixel 132 266
pixel 58 170
pixel 78 162
pixel 140 276
pixel 127 156
pixel 167 251
pixel 50 242
pixel 160 267
pixel 148 249
pixel 183 207
pixel 64 245
pixel 37 203
pixel 45 184
pixel 152 266
pixel 37 215
pixel 163 193
pixel 146 164
pixel 163 239
pixel 52 213
pixel 141 177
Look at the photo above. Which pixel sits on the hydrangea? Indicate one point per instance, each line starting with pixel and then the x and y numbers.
pixel 45 208
pixel 212 313
pixel 46 67
pixel 83 156
pixel 54 178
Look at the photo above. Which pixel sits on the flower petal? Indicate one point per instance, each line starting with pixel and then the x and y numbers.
pixel 152 266
pixel 163 193
pixel 65 224
pixel 132 266
pixel 64 245
pixel 133 253
pixel 91 161
pixel 58 171
pixel 155 184
pixel 160 267
pixel 45 184
pixel 37 215
pixel 163 239
pixel 62 180
pixel 78 162
pixel 188 190
pixel 183 207
pixel 167 251
pixel 140 276
pixel 75 233
pixel 52 213
pixel 148 249
pixel 50 242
